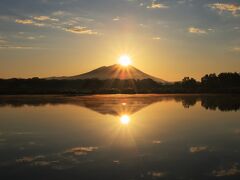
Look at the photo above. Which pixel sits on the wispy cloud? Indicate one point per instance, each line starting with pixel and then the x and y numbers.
pixel 28 36
pixel 156 38
pixel 156 5
pixel 116 18
pixel 68 24
pixel 5 18
pixel 24 21
pixel 81 30
pixel 233 8
pixel 236 49
pixel 44 18
pixel 8 46
pixel 2 40
pixel 59 13
pixel 196 30
pixel 31 38
pixel 29 22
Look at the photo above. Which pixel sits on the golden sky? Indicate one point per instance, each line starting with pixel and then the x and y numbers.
pixel 167 39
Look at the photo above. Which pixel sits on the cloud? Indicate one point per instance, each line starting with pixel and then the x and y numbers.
pixel 71 24
pixel 29 22
pixel 44 18
pixel 81 30
pixel 24 21
pixel 197 149
pixel 81 150
pixel 227 172
pixel 15 47
pixel 3 41
pixel 31 38
pixel 156 5
pixel 58 13
pixel 5 18
pixel 116 18
pixel 195 30
pixel 156 38
pixel 233 8
pixel 41 18
pixel 7 45
pixel 236 49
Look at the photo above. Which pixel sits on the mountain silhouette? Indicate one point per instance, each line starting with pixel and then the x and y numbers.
pixel 115 71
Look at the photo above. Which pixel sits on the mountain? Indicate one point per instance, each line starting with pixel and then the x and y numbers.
pixel 113 72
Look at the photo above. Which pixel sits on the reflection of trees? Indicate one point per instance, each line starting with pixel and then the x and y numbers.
pixel 223 103
pixel 128 104
pixel 187 101
pixel 212 102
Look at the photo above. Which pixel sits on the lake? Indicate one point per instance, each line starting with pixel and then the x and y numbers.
pixel 120 137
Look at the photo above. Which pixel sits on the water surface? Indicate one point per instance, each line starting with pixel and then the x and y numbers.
pixel 120 137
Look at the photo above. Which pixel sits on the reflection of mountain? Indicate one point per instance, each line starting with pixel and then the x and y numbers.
pixel 104 104
pixel 113 72
pixel 125 104
pixel 117 105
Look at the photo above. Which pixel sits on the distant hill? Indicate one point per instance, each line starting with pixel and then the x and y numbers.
pixel 113 72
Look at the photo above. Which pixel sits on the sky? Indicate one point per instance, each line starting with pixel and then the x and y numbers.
pixel 169 39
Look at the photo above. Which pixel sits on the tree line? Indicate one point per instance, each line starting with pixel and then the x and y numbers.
pixel 210 83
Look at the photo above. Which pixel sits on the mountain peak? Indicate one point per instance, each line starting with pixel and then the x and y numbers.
pixel 115 71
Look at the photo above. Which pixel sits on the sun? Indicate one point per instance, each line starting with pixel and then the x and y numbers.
pixel 124 60
pixel 125 119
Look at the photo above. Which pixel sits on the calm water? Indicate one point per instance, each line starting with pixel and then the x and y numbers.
pixel 120 137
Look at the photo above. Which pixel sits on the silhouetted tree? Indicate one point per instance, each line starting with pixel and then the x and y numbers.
pixel 189 82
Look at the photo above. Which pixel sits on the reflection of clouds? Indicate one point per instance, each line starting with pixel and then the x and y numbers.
pixel 156 173
pixel 81 150
pixel 125 119
pixel 59 161
pixel 197 149
pixel 227 172
pixel 35 160
pixel 116 161
pixel 71 157
pixel 27 159
pixel 20 133
pixel 32 143
pixel 41 163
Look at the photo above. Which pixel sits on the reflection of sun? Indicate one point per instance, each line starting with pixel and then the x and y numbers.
pixel 125 119
pixel 124 60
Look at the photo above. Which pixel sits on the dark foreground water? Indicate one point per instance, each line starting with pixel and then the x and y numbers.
pixel 120 137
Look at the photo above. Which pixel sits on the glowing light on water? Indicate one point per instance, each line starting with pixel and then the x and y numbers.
pixel 125 119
